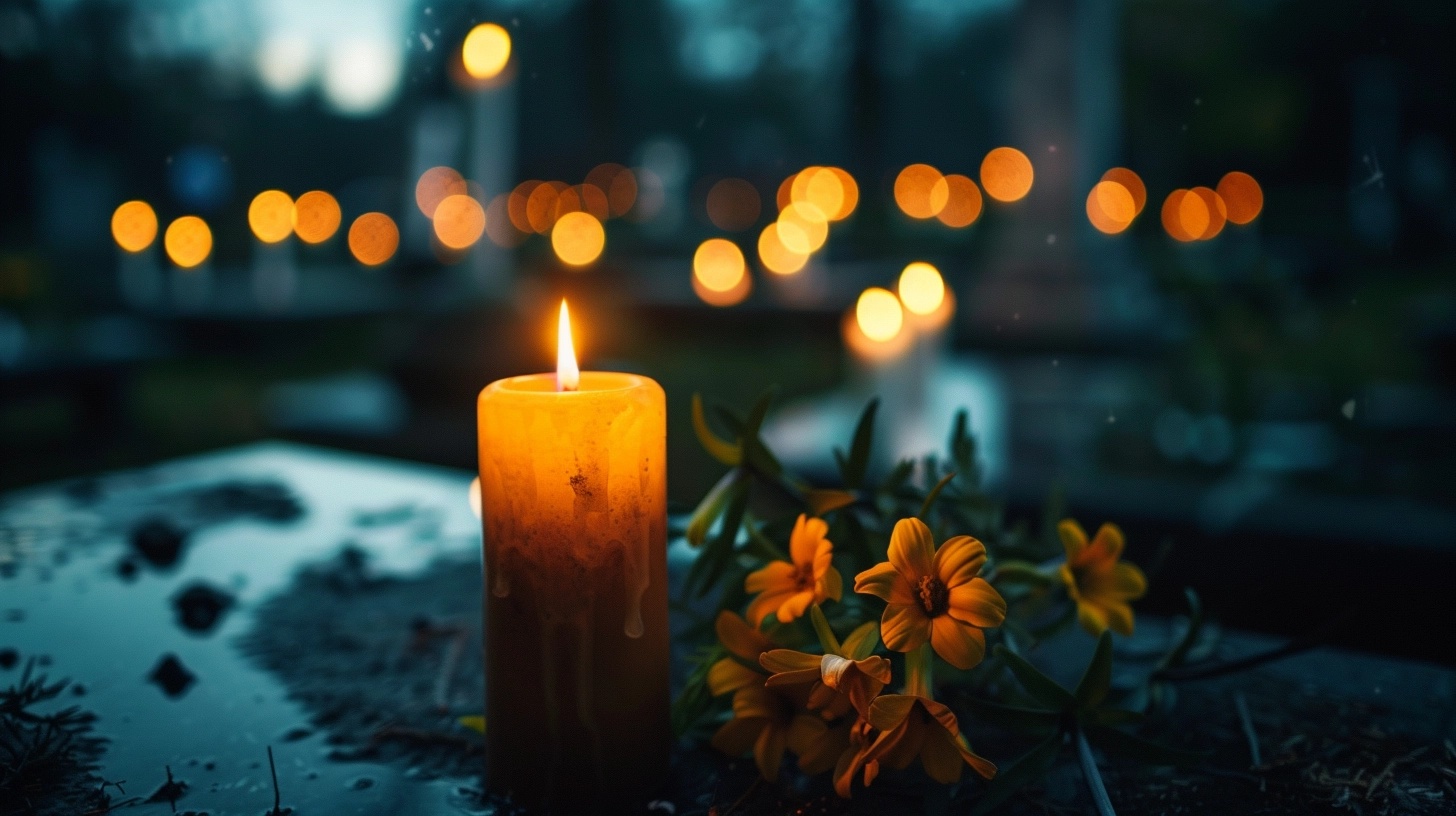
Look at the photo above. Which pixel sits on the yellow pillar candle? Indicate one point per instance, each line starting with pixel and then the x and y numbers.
pixel 573 477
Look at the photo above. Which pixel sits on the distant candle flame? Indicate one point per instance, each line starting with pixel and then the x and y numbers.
pixel 568 376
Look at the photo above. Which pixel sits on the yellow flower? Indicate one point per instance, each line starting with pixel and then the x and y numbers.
pixel 934 594
pixel 836 684
pixel 1097 582
pixel 852 759
pixel 912 727
pixel 766 721
pixel 746 645
pixel 789 588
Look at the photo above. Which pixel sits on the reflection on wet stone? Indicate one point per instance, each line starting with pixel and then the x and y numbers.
pixel 200 607
pixel 158 541
pixel 8 658
pixel 172 677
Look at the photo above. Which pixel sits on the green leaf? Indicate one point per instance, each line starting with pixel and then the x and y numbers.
pixel 1114 716
pixel 861 642
pixel 754 451
pixel 708 567
pixel 712 506
pixel 827 501
pixel 1190 637
pixel 933 495
pixel 1044 689
pixel 476 723
pixel 858 460
pixel 729 453
pixel 1024 770
pixel 827 641
pixel 1018 718
pixel 1097 679
pixel 962 444
pixel 1021 572
pixel 761 545
pixel 1143 750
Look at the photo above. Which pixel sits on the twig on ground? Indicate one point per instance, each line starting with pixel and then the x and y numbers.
pixel 1248 723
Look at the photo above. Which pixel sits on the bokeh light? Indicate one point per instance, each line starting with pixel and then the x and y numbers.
pixel 1110 207
pixel 649 194
pixel 1217 213
pixel 962 201
pixel 434 186
pixel 188 241
pixel 785 194
pixel 316 217
pixel 578 238
pixel 622 193
pixel 803 229
pixel 1133 183
pixel 922 289
pixel 821 187
pixel 373 238
pixel 486 50
pixel 270 216
pixel 1185 215
pixel 1006 174
pixel 134 226
pixel 516 206
pixel 594 200
pixel 568 200
pixel 733 205
pixel 732 297
pixel 718 265
pixel 918 192
pixel 541 205
pixel 1242 195
pixel 878 314
pixel 361 75
pixel 500 228
pixel 775 256
pixel 850 192
pixel 459 222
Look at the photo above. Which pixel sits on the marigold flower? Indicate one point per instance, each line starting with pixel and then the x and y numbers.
pixel 836 684
pixel 745 645
pixel 766 721
pixel 1097 581
pixel 790 588
pixel 852 759
pixel 917 727
pixel 934 594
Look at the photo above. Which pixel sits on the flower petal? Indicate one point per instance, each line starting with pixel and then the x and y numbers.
pixel 1119 617
pixel 1107 544
pixel 768 752
pixel 1092 618
pixel 757 701
pixel 959 560
pixel 1128 581
pixel 816 744
pixel 904 627
pixel 912 549
pixel 739 638
pixel 794 606
pixel 985 767
pixel 786 660
pixel 830 586
pixel 1074 539
pixel 777 576
pixel 977 602
pixel 728 675
pixel 738 735
pixel 807 538
pixel 889 710
pixel 1069 580
pixel 768 602
pixel 941 756
pixel 959 644
pixel 885 582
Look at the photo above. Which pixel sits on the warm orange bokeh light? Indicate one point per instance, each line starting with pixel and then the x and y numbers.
pixel 850 193
pixel 733 204
pixel 434 186
pixel 1111 207
pixel 593 200
pixel 803 229
pixel 1242 195
pixel 270 216
pixel 1185 216
pixel 878 314
pixel 732 297
pixel 541 205
pixel 921 287
pixel 622 193
pixel 918 191
pixel 821 187
pixel 1006 174
pixel 459 222
pixel 486 50
pixel 1133 184
pixel 373 238
pixel 1216 211
pixel 962 201
pixel 777 258
pixel 499 227
pixel 134 226
pixel 316 217
pixel 785 194
pixel 516 206
pixel 567 201
pixel 718 265
pixel 578 238
pixel 188 241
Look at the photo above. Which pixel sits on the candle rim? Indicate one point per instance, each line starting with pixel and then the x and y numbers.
pixel 544 384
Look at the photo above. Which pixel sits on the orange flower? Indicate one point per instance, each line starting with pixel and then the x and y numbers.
pixel 766 721
pixel 912 727
pixel 934 594
pixel 789 588
pixel 852 759
pixel 1097 582
pixel 745 645
pixel 837 684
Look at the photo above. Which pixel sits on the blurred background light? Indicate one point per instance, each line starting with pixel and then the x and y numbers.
pixel 373 238
pixel 188 241
pixel 200 178
pixel 316 216
pixel 1242 195
pixel 486 50
pixel 578 238
pixel 434 186
pixel 962 200
pixel 878 314
pixel 134 226
pixel 921 288
pixel 270 216
pixel 919 191
pixel 361 75
pixel 1110 207
pixel 718 265
pixel 775 255
pixel 1006 174
pixel 459 221
pixel 733 205
pixel 286 64
pixel 1133 183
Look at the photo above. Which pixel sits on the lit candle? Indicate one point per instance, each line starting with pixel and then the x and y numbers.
pixel 574 491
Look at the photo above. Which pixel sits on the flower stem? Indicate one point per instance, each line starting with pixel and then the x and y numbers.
pixel 918 669
pixel 1091 774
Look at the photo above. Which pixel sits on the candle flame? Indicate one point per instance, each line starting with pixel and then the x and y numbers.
pixel 568 376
